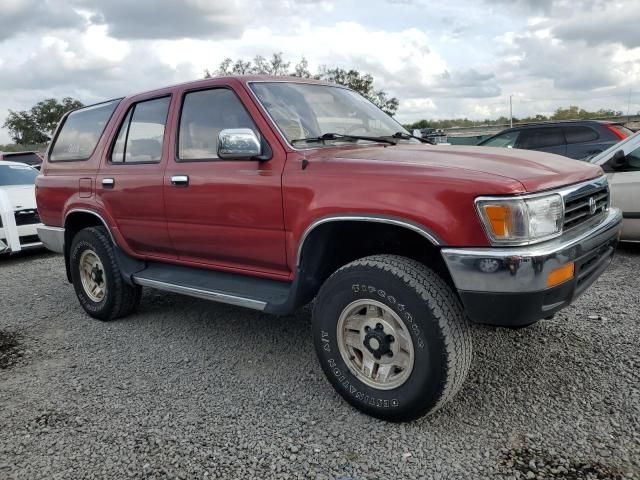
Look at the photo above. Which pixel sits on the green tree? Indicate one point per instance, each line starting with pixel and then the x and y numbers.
pixel 36 126
pixel 363 83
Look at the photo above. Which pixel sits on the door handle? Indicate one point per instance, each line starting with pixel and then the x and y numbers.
pixel 108 182
pixel 180 180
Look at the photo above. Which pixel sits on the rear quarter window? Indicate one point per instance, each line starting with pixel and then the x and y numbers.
pixel 580 134
pixel 81 132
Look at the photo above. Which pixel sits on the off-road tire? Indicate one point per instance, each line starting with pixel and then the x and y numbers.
pixel 439 331
pixel 120 298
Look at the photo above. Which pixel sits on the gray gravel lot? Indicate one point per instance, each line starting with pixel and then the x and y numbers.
pixel 191 389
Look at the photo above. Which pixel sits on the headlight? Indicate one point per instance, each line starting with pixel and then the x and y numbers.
pixel 521 220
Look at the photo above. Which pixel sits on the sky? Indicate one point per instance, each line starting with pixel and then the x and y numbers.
pixel 441 59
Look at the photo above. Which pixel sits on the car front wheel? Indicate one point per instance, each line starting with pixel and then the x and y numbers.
pixel 391 337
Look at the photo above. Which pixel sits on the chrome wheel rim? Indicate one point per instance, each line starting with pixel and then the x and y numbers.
pixel 92 276
pixel 375 344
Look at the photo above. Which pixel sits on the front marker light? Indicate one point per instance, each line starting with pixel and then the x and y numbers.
pixel 512 220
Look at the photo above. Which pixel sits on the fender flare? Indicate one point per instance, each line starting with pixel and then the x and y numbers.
pixel 374 218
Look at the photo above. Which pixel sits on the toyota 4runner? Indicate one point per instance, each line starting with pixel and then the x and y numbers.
pixel 270 193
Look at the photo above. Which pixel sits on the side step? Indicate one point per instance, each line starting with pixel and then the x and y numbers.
pixel 244 291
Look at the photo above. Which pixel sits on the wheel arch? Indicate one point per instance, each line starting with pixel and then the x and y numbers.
pixel 75 220
pixel 331 242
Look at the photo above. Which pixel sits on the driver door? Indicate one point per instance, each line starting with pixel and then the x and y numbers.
pixel 225 214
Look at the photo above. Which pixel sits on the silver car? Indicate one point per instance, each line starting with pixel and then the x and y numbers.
pixel 621 162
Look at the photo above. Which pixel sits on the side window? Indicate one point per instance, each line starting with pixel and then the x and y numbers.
pixel 580 134
pixel 506 140
pixel 540 138
pixel 81 132
pixel 204 114
pixel 141 133
pixel 634 161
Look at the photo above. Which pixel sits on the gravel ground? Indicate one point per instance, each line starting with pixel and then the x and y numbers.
pixel 191 389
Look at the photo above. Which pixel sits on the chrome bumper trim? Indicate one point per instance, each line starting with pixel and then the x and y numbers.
pixel 52 238
pixel 525 269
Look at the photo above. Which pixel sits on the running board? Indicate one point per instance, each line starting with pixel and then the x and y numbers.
pixel 244 291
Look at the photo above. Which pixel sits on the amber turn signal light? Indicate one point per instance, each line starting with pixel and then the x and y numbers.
pixel 561 275
pixel 498 216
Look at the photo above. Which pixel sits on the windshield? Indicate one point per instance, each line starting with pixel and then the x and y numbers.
pixel 303 110
pixel 17 175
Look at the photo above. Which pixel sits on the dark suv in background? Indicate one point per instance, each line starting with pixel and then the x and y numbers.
pixel 580 139
pixel 29 157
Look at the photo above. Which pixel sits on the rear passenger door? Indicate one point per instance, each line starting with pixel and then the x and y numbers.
pixel 582 142
pixel 129 183
pixel 543 139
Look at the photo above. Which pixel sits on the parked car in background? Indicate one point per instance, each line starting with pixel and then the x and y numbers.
pixel 18 215
pixel 579 139
pixel 27 157
pixel 621 162
pixel 434 135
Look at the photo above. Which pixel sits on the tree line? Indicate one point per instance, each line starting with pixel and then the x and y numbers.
pixel 572 112
pixel 363 83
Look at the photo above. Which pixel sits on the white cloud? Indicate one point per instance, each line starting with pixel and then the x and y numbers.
pixel 461 59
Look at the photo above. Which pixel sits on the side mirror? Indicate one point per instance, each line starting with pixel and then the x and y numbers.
pixel 618 161
pixel 238 143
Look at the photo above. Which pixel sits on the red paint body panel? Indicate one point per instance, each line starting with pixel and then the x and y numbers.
pixel 250 216
pixel 136 200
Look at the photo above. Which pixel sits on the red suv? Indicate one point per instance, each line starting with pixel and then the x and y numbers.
pixel 269 193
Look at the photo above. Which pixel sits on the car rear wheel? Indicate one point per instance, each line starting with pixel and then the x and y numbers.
pixel 97 280
pixel 391 337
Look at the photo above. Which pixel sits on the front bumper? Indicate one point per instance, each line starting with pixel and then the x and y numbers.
pixel 52 238
pixel 15 239
pixel 507 286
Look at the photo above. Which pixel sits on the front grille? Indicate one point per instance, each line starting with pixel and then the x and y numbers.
pixel 584 206
pixel 27 217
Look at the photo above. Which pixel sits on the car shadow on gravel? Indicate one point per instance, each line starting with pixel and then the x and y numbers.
pixel 629 247
pixel 25 256
pixel 10 351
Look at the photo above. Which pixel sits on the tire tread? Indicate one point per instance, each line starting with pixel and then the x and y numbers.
pixel 445 307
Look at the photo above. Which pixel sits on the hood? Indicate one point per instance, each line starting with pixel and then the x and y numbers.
pixel 20 197
pixel 536 171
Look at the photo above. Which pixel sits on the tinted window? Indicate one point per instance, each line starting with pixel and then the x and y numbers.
pixel 505 140
pixel 540 138
pixel 81 132
pixel 17 175
pixel 204 115
pixel 580 134
pixel 141 134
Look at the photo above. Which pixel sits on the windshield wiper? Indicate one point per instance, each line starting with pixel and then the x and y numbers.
pixel 337 136
pixel 407 136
